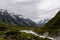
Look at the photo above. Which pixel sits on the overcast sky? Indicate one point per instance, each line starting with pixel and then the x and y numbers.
pixel 34 9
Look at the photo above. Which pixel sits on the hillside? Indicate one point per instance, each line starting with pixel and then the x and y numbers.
pixel 54 23
pixel 52 27
pixel 9 32
pixel 16 20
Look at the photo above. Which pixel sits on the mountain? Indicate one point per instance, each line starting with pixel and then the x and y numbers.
pixel 10 32
pixel 17 20
pixel 42 22
pixel 52 27
pixel 54 23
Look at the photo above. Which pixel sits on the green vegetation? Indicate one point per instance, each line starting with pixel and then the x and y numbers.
pixel 54 23
pixel 11 32
pixel 52 27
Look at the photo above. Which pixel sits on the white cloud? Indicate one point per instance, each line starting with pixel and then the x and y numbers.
pixel 34 9
pixel 15 1
pixel 48 4
pixel 21 0
pixel 46 15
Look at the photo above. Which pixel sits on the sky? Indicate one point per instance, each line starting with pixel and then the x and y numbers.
pixel 36 10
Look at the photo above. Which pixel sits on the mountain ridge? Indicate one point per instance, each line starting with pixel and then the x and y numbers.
pixel 15 19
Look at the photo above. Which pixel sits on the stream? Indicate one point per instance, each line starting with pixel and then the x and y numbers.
pixel 34 33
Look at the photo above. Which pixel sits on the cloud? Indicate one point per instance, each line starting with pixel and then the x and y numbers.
pixel 15 1
pixel 48 4
pixel 34 9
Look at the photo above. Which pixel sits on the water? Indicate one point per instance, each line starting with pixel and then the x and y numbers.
pixel 34 33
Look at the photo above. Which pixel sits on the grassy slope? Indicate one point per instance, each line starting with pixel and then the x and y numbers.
pixel 54 23
pixel 9 32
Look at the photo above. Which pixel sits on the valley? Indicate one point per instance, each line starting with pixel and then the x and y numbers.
pixel 13 27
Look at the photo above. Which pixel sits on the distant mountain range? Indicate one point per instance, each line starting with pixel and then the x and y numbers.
pixel 13 19
pixel 42 22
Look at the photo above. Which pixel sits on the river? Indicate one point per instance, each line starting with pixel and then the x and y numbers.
pixel 34 33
